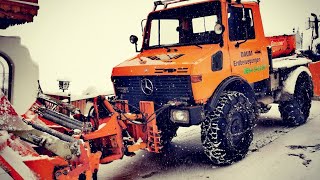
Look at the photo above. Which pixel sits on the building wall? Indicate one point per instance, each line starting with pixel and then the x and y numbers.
pixel 24 75
pixel 5 78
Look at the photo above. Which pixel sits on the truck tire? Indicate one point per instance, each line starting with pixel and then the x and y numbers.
pixel 168 130
pixel 296 111
pixel 226 133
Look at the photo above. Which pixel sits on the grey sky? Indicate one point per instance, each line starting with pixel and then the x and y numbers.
pixel 83 40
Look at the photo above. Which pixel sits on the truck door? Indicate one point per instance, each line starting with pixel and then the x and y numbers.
pixel 247 46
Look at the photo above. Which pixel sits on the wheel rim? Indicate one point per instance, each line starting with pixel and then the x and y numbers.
pixel 237 129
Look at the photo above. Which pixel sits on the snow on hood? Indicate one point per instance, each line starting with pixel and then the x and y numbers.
pixel 177 55
pixel 179 58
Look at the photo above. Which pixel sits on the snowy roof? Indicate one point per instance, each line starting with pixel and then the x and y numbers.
pixel 60 94
pixel 13 12
pixel 77 97
pixel 82 97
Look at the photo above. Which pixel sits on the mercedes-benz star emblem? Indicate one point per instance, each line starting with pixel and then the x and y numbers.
pixel 146 86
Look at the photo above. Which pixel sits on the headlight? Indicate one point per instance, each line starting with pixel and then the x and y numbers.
pixel 180 116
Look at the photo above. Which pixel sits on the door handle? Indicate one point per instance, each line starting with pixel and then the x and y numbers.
pixel 257 52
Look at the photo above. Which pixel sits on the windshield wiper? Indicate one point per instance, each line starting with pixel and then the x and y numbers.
pixel 166 47
pixel 169 49
pixel 161 46
pixel 190 44
pixel 198 46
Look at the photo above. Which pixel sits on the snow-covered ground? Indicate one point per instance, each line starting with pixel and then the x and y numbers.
pixel 277 152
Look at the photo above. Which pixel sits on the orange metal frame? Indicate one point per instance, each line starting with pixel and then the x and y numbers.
pixel 44 166
pixel 108 136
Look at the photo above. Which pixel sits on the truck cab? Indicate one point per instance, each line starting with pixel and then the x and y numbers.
pixel 189 51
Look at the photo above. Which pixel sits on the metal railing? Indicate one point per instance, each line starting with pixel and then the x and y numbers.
pixel 165 3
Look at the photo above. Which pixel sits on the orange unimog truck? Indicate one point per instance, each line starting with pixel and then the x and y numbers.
pixel 210 64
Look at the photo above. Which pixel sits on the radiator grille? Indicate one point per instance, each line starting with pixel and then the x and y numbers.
pixel 165 88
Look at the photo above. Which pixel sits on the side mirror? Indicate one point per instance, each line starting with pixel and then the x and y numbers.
pixel 134 40
pixel 219 29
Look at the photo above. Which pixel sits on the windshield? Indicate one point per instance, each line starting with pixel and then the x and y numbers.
pixel 187 25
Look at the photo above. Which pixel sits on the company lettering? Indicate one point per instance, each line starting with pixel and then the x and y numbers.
pixel 246 62
pixel 246 53
pixel 255 69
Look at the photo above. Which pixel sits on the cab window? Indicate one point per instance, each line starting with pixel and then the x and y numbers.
pixel 186 25
pixel 240 22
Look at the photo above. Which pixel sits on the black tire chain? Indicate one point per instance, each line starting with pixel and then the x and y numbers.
pixel 210 129
pixel 291 110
